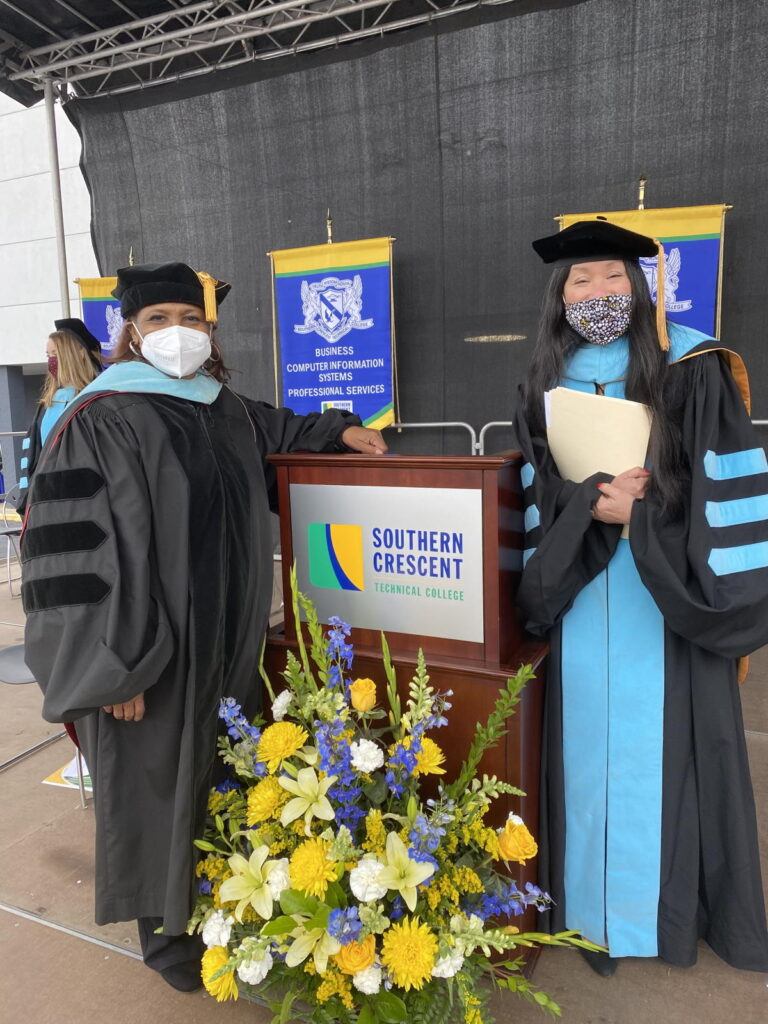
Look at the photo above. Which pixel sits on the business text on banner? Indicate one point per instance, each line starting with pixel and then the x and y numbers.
pixel 334 328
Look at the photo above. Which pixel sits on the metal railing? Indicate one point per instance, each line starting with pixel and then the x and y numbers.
pixel 464 426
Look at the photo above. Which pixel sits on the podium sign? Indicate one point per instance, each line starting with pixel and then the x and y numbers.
pixel 401 559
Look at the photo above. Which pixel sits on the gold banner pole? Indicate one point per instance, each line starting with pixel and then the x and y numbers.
pixel 718 311
pixel 395 381
pixel 275 355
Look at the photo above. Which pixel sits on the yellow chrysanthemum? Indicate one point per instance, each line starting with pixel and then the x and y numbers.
pixel 408 952
pixel 264 800
pixel 430 758
pixel 375 832
pixel 311 869
pixel 279 742
pixel 224 987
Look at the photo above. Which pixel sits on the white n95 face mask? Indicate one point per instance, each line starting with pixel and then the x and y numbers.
pixel 177 351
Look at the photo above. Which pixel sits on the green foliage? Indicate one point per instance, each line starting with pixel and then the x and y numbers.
pixel 488 735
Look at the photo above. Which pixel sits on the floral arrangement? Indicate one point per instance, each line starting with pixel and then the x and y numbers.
pixel 331 887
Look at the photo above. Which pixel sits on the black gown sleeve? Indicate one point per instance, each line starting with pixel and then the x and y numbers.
pixel 565 547
pixel 95 633
pixel 282 430
pixel 708 571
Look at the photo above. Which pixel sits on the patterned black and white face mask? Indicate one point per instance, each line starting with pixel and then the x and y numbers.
pixel 600 320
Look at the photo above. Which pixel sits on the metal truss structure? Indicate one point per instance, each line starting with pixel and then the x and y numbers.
pixel 179 39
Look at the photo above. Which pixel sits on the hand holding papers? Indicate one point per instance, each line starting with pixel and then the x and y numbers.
pixel 595 434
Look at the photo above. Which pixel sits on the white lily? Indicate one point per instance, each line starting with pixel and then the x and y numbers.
pixel 316 941
pixel 309 799
pixel 401 873
pixel 249 884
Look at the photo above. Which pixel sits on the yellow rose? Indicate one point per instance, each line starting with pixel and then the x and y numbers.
pixel 357 956
pixel 516 842
pixel 363 694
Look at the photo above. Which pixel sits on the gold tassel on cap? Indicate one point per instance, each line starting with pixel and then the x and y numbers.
pixel 661 308
pixel 209 296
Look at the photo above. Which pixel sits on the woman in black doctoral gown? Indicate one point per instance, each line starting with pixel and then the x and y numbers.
pixel 649 840
pixel 147 558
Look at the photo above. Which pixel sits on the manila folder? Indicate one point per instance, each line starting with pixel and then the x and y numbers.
pixel 595 434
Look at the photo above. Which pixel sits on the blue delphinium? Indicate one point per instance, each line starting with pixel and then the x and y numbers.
pixel 397 910
pixel 402 762
pixel 241 730
pixel 339 651
pixel 335 752
pixel 506 900
pixel 345 925
pixel 424 838
pixel 227 786
pixel 205 887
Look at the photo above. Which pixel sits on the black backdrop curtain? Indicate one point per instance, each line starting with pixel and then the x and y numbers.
pixel 463 141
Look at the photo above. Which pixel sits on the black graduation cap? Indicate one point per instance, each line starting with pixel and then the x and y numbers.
pixel 168 282
pixel 590 240
pixel 83 335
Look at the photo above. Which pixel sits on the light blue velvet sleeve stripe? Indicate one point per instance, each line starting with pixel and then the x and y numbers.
pixel 584 666
pixel 25 444
pixel 749 462
pixel 527 473
pixel 532 518
pixel 527 554
pixel 738 511
pixel 24 464
pixel 635 760
pixel 23 483
pixel 744 558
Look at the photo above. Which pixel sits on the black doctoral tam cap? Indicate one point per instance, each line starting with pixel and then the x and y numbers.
pixel 83 335
pixel 590 240
pixel 168 282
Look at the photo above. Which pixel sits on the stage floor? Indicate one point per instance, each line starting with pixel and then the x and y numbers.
pixel 89 975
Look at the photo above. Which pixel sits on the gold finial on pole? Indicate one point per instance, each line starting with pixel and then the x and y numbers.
pixel 329 226
pixel 131 260
pixel 641 192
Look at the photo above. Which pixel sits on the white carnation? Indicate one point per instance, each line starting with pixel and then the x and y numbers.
pixel 368 981
pixel 280 705
pixel 278 880
pixel 217 929
pixel 365 880
pixel 448 966
pixel 253 972
pixel 367 756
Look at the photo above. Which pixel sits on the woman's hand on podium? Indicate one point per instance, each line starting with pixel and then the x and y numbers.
pixel 361 439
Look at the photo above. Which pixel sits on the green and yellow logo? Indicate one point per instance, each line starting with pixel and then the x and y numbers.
pixel 336 556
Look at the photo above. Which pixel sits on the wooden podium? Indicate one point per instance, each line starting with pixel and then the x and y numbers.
pixel 346 489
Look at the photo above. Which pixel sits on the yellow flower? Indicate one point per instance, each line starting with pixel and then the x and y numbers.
pixel 375 833
pixel 466 880
pixel 279 742
pixel 264 800
pixel 357 956
pixel 222 988
pixel 363 695
pixel 335 984
pixel 516 842
pixel 430 758
pixel 408 952
pixel 311 869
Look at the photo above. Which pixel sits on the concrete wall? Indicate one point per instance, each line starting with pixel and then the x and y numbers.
pixel 29 283
pixel 29 279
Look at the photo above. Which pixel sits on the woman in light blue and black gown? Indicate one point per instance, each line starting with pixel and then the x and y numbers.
pixel 649 838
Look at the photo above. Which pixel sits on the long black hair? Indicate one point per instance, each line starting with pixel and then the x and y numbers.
pixel 645 381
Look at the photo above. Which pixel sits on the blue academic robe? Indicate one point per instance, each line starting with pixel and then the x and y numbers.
pixel 649 839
